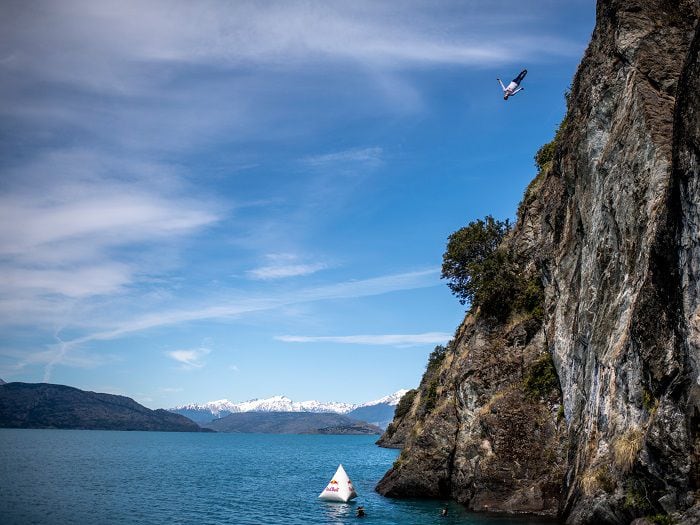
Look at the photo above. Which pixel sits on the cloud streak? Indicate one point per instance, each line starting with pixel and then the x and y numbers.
pixel 271 272
pixel 284 265
pixel 191 358
pixel 279 34
pixel 368 157
pixel 88 230
pixel 343 290
pixel 379 340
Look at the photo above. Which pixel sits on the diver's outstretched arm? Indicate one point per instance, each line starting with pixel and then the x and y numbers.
pixel 501 83
pixel 518 90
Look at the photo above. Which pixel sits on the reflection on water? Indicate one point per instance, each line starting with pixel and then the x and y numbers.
pixel 337 513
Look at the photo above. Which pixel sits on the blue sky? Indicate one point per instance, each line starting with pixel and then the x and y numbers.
pixel 202 200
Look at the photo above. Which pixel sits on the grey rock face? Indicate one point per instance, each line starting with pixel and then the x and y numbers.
pixel 613 230
pixel 686 171
pixel 614 313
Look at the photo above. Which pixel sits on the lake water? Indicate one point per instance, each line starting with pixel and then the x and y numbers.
pixel 79 476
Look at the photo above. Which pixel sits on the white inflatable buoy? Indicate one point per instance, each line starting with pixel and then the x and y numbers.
pixel 339 488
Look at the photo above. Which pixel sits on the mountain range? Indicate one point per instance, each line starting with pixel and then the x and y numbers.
pixel 378 412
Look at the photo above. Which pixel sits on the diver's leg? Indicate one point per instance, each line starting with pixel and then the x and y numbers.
pixel 520 77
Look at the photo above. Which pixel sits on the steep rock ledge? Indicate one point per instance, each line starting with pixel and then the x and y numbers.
pixel 612 230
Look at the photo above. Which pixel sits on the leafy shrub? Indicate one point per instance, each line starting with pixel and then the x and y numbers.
pixel 545 155
pixel 530 297
pixel 541 378
pixel 430 396
pixel 435 358
pixel 484 273
pixel 497 288
pixel 405 404
pixel 469 255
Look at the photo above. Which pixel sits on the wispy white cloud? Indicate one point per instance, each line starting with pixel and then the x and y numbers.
pixel 382 340
pixel 281 265
pixel 190 358
pixel 274 33
pixel 85 280
pixel 79 358
pixel 368 157
pixel 245 305
pixel 270 272
pixel 88 203
pixel 69 223
pixel 154 100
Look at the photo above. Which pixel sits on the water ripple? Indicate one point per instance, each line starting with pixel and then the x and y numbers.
pixel 100 477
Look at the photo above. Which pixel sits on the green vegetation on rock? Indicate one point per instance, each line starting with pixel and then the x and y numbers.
pixel 471 257
pixel 483 272
pixel 404 405
pixel 545 155
pixel 635 498
pixel 430 396
pixel 544 159
pixel 541 379
pixel 436 357
pixel 661 519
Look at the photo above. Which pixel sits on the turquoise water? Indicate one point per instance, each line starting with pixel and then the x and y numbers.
pixel 78 476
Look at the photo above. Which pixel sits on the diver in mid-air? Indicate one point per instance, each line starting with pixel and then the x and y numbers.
pixel 514 86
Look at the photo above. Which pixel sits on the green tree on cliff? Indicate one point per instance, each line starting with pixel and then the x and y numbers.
pixel 481 271
pixel 472 262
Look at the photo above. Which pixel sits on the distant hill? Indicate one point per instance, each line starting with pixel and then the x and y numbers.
pixel 42 405
pixel 198 416
pixel 291 423
pixel 2 382
pixel 380 415
pixel 379 412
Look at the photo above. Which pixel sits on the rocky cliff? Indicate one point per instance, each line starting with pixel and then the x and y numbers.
pixel 589 408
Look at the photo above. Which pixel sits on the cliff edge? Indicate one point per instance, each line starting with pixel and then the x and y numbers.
pixel 587 408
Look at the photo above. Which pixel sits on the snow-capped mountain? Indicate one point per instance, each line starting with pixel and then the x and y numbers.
pixel 391 400
pixel 271 404
pixel 205 412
